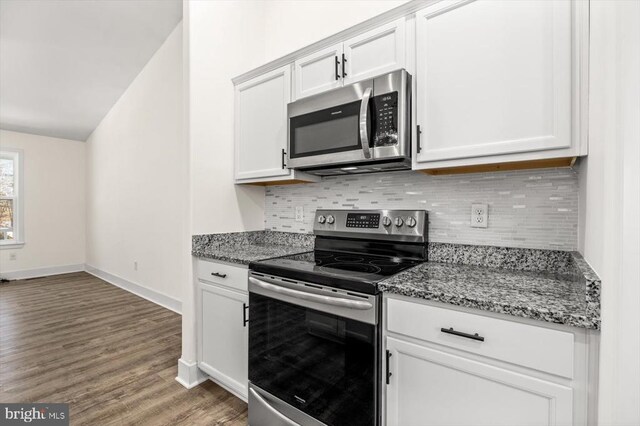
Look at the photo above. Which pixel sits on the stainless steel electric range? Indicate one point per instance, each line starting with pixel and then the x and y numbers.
pixel 314 330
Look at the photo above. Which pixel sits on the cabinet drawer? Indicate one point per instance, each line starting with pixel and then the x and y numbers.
pixel 220 273
pixel 525 345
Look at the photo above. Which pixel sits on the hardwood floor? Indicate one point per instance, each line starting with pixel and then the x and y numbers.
pixel 108 353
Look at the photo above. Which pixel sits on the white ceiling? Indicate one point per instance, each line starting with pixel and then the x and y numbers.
pixel 65 63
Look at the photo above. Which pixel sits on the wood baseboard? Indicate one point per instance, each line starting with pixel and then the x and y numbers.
pixel 496 167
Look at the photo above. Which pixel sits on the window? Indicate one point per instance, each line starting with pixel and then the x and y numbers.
pixel 10 197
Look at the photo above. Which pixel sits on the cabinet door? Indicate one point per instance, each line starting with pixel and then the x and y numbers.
pixel 376 52
pixel 493 77
pixel 318 72
pixel 224 336
pixel 261 125
pixel 430 387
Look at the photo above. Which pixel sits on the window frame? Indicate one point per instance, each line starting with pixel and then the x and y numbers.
pixel 17 155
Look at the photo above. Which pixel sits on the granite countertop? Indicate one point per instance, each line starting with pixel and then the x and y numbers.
pixel 545 285
pixel 246 247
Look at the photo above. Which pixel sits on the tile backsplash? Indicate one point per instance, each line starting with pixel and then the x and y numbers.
pixel 527 208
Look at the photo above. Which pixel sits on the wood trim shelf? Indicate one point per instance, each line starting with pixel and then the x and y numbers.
pixel 495 167
pixel 276 182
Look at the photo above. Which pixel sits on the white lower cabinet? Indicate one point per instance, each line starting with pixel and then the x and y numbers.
pixel 432 387
pixel 223 334
pixel 463 367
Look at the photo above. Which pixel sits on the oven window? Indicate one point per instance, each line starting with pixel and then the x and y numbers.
pixel 319 363
pixel 326 131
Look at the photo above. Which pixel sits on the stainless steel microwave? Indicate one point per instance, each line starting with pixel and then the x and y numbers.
pixel 360 128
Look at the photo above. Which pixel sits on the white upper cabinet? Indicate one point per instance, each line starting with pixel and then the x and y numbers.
pixel 261 125
pixel 375 52
pixel 318 72
pixel 364 56
pixel 494 78
pixel 494 82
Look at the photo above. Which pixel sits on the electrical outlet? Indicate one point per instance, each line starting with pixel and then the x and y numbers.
pixel 299 214
pixel 13 256
pixel 479 215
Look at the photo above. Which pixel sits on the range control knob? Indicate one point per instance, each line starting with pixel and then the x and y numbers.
pixel 321 219
pixel 386 221
pixel 411 222
pixel 330 219
pixel 399 222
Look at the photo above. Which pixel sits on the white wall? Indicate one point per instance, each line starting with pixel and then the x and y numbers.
pixel 54 206
pixel 610 182
pixel 223 40
pixel 226 38
pixel 136 180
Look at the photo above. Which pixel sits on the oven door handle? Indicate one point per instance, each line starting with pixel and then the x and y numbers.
pixel 364 129
pixel 312 297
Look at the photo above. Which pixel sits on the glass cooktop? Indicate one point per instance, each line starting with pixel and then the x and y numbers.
pixel 357 272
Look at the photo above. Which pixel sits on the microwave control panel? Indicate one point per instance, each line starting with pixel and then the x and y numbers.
pixel 386 119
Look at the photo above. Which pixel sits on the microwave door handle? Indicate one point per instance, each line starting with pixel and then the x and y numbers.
pixel 364 130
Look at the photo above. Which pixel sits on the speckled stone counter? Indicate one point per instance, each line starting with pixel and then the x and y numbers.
pixel 246 247
pixel 545 285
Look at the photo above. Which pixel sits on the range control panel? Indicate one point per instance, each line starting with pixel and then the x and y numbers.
pixel 363 220
pixel 400 225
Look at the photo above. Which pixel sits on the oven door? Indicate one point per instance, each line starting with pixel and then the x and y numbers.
pixel 312 354
pixel 331 128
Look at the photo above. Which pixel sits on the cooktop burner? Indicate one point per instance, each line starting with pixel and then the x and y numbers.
pixel 358 272
pixel 355 249
pixel 352 268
